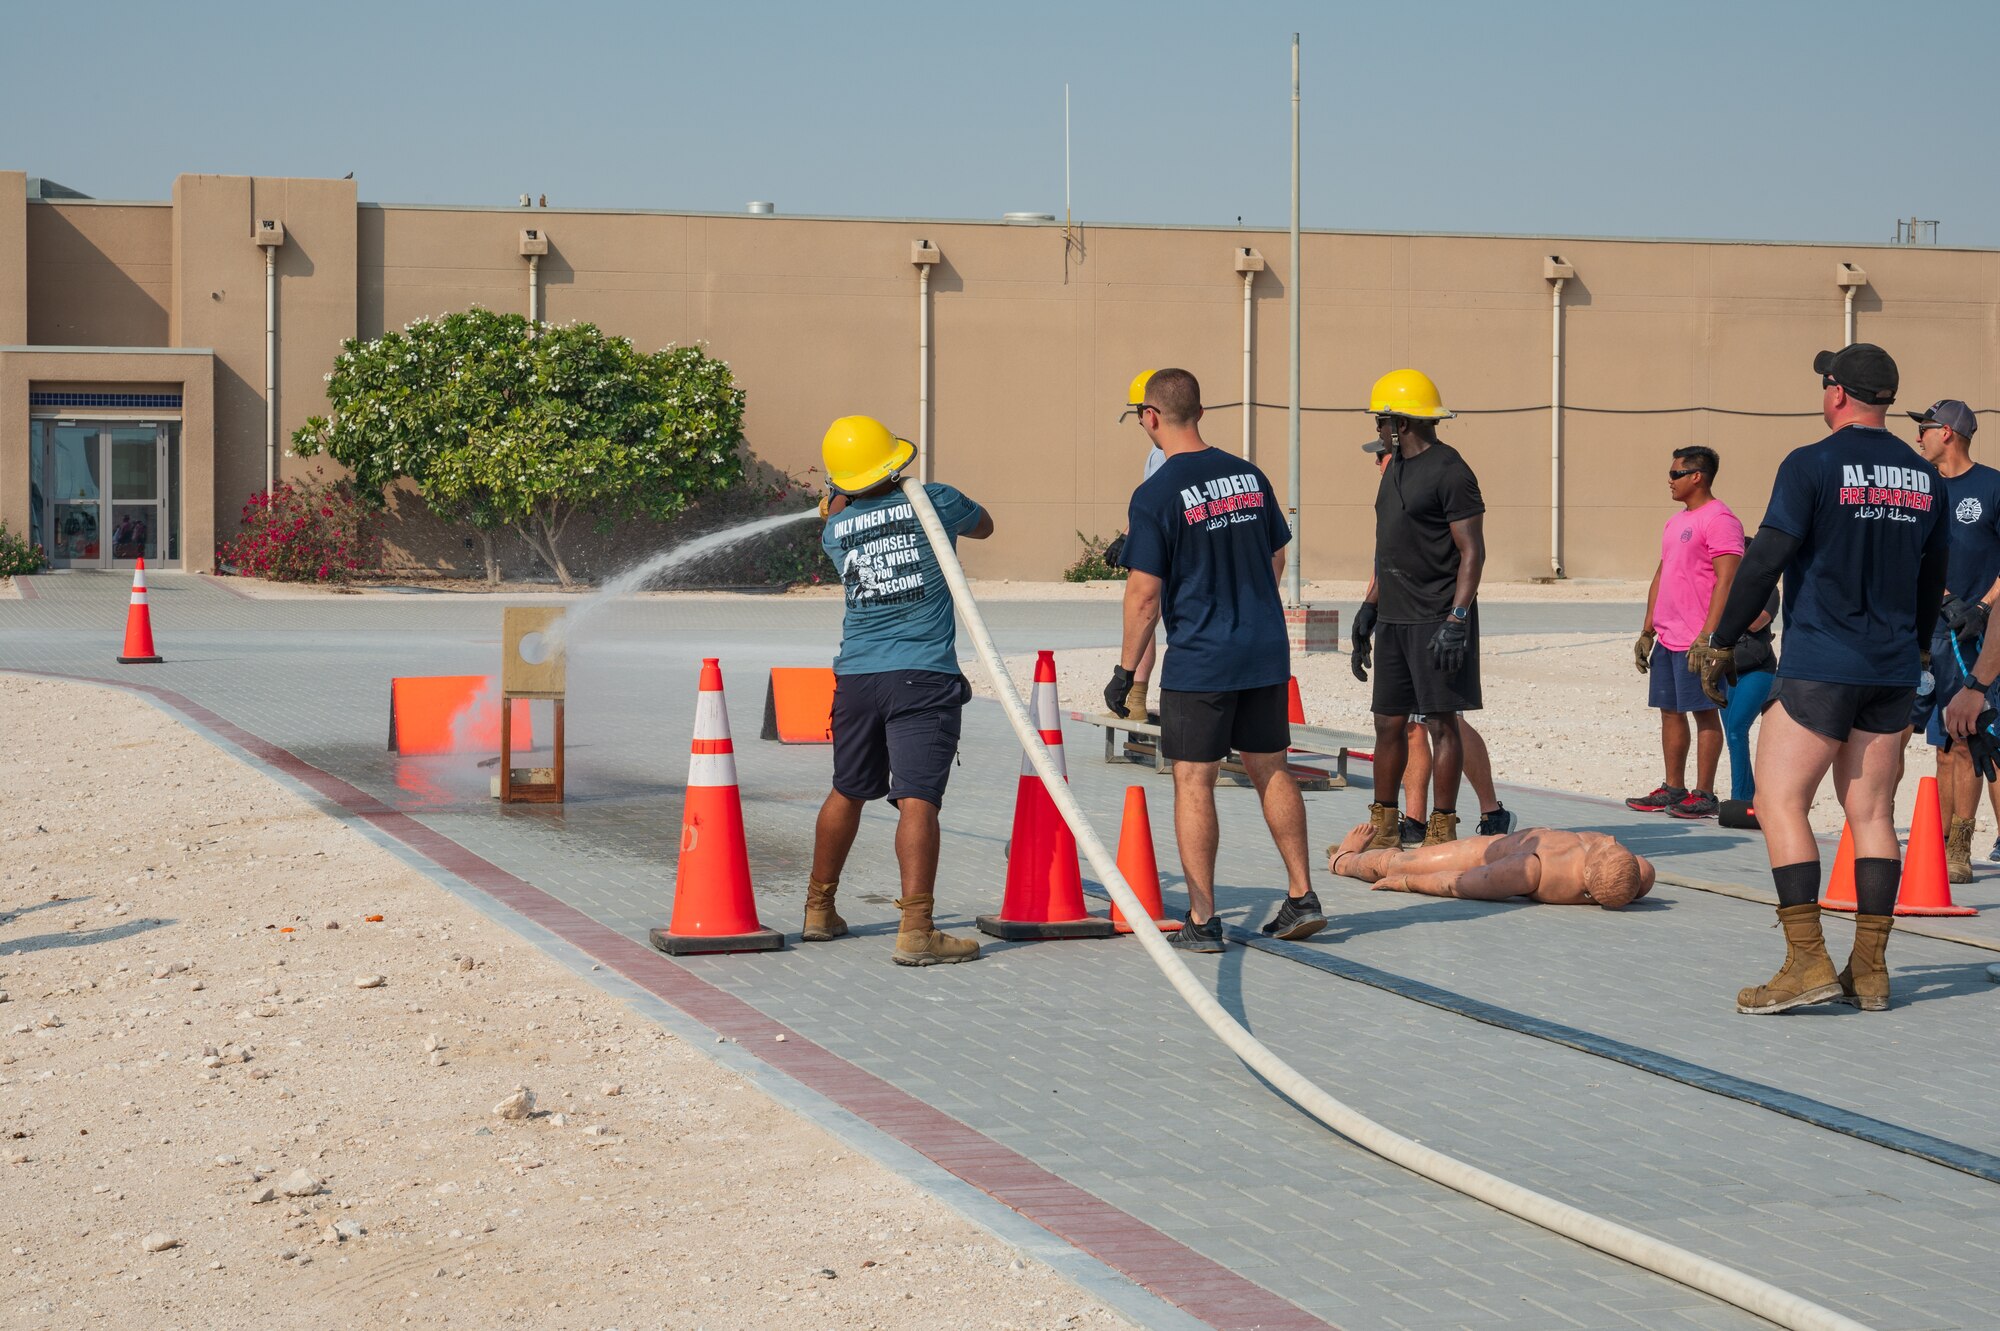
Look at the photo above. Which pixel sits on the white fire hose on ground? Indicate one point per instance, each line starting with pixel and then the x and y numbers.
pixel 1678 1264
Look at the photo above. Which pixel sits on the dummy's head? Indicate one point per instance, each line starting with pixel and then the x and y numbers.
pixel 1613 875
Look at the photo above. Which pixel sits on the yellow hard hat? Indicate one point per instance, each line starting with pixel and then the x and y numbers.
pixel 860 453
pixel 1135 396
pixel 1407 393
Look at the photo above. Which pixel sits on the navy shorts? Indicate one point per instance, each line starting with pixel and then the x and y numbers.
pixel 1929 712
pixel 1204 727
pixel 896 733
pixel 1671 686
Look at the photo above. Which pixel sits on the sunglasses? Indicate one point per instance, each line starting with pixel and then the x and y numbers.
pixel 1674 475
pixel 1924 427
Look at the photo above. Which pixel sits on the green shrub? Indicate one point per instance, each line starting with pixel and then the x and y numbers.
pixel 1092 566
pixel 19 556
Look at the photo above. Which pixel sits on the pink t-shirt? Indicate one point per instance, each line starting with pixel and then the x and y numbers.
pixel 1689 547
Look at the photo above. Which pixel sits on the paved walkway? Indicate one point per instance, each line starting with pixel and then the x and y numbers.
pixel 1078 1060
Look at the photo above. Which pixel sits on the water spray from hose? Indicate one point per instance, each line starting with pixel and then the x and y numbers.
pixel 1697 1272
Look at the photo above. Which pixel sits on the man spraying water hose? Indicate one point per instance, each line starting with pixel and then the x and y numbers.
pixel 1854 528
pixel 897 688
pixel 1205 542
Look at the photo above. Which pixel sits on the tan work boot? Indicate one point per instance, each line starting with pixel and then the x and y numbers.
pixel 1865 981
pixel 1958 851
pixel 1135 701
pixel 823 923
pixel 920 943
pixel 1807 975
pixel 1441 827
pixel 1388 822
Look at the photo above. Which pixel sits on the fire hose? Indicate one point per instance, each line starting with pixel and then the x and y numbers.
pixel 1642 1250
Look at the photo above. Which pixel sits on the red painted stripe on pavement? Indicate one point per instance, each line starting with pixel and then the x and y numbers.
pixel 1151 1259
pixel 27 587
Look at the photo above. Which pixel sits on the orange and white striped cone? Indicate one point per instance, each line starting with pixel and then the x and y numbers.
pixel 1044 897
pixel 139 624
pixel 715 909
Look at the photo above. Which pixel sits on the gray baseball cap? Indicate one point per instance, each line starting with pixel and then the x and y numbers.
pixel 1950 413
pixel 1375 447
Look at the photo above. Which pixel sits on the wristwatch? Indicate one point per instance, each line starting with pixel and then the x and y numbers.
pixel 1460 612
pixel 1972 682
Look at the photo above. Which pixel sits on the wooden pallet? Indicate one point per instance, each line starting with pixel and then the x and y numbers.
pixel 1139 742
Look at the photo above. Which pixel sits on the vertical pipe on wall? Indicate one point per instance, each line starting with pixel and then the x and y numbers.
pixel 1556 428
pixel 924 373
pixel 270 368
pixel 1249 407
pixel 1298 544
pixel 1849 323
pixel 534 293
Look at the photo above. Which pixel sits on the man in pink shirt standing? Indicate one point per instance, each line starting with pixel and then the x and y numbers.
pixel 1699 552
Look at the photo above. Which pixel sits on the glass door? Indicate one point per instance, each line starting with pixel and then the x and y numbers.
pixel 106 494
pixel 136 462
pixel 72 469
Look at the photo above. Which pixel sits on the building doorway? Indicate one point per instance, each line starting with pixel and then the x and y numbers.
pixel 107 493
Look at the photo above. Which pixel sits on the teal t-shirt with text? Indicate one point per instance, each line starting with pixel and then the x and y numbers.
pixel 899 613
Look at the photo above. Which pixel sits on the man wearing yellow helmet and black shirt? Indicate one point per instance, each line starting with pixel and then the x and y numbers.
pixel 1430 549
pixel 897 688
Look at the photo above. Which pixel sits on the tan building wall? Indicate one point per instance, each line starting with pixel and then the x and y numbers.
pixel 102 274
pixel 13 258
pixel 1034 341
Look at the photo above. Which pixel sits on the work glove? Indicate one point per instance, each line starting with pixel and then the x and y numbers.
pixel 1449 645
pixel 1984 748
pixel 1115 691
pixel 1642 651
pixel 1715 665
pixel 1114 553
pixel 1363 655
pixel 1965 619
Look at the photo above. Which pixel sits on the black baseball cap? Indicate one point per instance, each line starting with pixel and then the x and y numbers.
pixel 1863 369
pixel 1951 414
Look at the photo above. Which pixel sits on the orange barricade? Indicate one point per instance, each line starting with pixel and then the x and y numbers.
pixel 451 714
pixel 798 705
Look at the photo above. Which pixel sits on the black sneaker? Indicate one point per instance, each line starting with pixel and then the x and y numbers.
pixel 1696 804
pixel 1411 833
pixel 1497 823
pixel 1297 917
pixel 1192 937
pixel 1662 799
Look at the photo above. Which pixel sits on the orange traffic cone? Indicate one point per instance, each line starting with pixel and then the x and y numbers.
pixel 1840 887
pixel 139 624
pixel 1295 707
pixel 1926 887
pixel 1044 896
pixel 715 909
pixel 1136 862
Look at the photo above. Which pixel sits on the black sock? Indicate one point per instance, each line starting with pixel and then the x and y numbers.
pixel 1875 884
pixel 1449 813
pixel 1798 884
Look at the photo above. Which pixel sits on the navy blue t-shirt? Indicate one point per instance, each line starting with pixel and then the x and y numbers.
pixel 1207 525
pixel 1866 511
pixel 1971 507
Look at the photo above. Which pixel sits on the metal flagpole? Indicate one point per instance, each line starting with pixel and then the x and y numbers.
pixel 1293 572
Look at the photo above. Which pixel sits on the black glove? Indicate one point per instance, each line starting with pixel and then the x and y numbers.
pixel 1965 619
pixel 1449 644
pixel 1363 629
pixel 1114 553
pixel 1115 691
pixel 1984 748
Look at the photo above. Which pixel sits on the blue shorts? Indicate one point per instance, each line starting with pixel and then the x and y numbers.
pixel 1929 712
pixel 1671 686
pixel 895 733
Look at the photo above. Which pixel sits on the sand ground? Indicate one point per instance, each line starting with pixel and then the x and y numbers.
pixel 183 1029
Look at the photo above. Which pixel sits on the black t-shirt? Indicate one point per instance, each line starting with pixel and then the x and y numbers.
pixel 1207 525
pixel 1971 507
pixel 1866 511
pixel 1416 563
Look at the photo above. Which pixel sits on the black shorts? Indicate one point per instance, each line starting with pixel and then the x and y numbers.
pixel 1833 710
pixel 1204 727
pixel 1406 682
pixel 895 733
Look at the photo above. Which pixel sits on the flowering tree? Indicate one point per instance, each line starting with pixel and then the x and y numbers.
pixel 304 530
pixel 500 423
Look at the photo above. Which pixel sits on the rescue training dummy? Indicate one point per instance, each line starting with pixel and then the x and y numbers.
pixel 1541 864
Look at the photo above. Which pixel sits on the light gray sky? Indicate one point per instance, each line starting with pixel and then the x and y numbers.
pixel 1770 119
